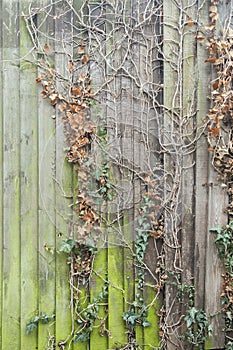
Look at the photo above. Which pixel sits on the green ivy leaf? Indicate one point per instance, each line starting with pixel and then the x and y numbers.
pixel 81 337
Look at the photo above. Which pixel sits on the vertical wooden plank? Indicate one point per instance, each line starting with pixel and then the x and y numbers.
pixel 46 155
pixel 64 179
pixel 11 178
pixel 1 170
pixel 189 108
pixel 29 184
pixel 171 100
pixel 127 181
pixel 100 273
pixel 188 175
pixel 151 76
pixel 46 213
pixel 151 333
pixel 98 341
pixel 138 146
pixel 201 168
pixel 79 34
pixel 217 202
pixel 115 249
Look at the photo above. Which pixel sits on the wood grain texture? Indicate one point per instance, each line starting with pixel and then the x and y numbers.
pixel 37 184
pixel 46 199
pixel 171 98
pixel 63 182
pixel 1 172
pixel 29 185
pixel 201 173
pixel 11 178
pixel 217 202
pixel 189 98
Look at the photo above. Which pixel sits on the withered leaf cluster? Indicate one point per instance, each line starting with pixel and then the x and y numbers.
pixel 220 117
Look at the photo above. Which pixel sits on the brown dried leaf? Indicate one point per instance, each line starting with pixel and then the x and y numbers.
pixel 46 49
pixel 211 60
pixel 76 91
pixel 51 71
pixel 209 27
pixel 62 107
pixel 53 98
pixel 214 131
pixel 71 66
pixel 82 77
pixel 38 79
pixel 215 85
pixel 214 16
pixel 200 37
pixel 81 50
pixel 190 22
pixel 213 9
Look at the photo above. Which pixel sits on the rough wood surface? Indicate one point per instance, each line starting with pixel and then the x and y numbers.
pixel 37 184
pixel 1 170
pixel 11 178
pixel 63 183
pixel 171 98
pixel 29 185
pixel 46 203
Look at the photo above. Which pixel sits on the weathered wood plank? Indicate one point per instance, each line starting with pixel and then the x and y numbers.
pixel 188 175
pixel 11 178
pixel 98 340
pixel 1 169
pixel 151 333
pixel 100 273
pixel 201 169
pixel 172 87
pixel 115 249
pixel 46 219
pixel 64 180
pixel 29 185
pixel 217 202
pixel 151 76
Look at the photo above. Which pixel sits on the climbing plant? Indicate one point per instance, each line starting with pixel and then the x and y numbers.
pixel 130 142
pixel 219 45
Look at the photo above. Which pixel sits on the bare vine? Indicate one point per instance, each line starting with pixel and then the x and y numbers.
pixel 130 142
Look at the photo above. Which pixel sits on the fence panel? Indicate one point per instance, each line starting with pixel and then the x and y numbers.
pixel 156 260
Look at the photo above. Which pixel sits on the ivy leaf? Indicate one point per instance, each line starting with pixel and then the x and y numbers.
pixel 30 327
pixel 67 246
pixel 81 337
pixel 146 324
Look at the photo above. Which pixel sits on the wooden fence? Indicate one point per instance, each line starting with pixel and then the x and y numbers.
pixel 138 108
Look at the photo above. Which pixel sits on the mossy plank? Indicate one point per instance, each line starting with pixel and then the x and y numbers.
pixel 29 186
pixel 98 280
pixel 151 298
pixel 11 178
pixel 1 174
pixel 115 251
pixel 116 293
pixel 46 198
pixel 64 181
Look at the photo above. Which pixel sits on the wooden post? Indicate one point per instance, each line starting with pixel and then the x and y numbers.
pixel 64 178
pixel 100 269
pixel 46 193
pixel 172 162
pixel 11 177
pixel 29 183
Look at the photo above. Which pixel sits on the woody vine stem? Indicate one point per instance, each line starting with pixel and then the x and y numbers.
pixel 130 141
